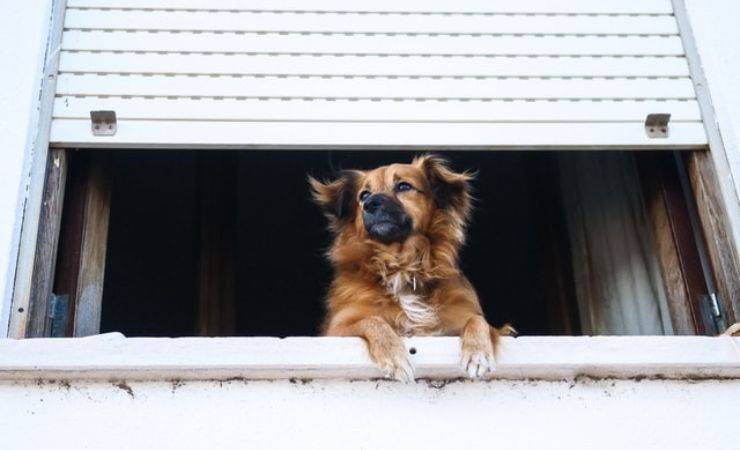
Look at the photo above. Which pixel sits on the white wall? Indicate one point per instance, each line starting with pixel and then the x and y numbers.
pixel 328 414
pixel 23 33
pixel 716 34
pixel 574 393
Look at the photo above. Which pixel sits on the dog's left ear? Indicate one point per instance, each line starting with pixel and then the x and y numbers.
pixel 451 190
pixel 336 198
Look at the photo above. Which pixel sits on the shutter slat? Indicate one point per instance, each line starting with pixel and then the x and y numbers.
pixel 364 23
pixel 398 88
pixel 543 66
pixel 371 44
pixel 493 6
pixel 376 111
pixel 279 135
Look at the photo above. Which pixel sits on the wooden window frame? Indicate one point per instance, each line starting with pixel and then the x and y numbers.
pixel 30 304
pixel 82 201
pixel 676 213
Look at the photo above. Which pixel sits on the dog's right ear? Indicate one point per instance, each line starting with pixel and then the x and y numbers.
pixel 337 198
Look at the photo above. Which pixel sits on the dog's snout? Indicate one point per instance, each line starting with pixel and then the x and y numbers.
pixel 373 203
pixel 384 219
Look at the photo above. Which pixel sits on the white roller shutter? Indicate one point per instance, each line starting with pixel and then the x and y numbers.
pixel 329 73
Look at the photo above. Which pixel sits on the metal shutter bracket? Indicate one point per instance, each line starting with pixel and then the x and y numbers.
pixel 656 125
pixel 103 123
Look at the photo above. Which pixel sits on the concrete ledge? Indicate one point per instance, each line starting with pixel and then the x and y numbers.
pixel 112 356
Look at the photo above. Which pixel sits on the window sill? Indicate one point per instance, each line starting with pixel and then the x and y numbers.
pixel 111 356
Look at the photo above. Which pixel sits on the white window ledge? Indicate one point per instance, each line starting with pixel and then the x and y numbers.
pixel 112 356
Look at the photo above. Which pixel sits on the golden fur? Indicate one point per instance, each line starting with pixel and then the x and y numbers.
pixel 415 287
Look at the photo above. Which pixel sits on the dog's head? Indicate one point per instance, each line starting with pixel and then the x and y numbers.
pixel 390 203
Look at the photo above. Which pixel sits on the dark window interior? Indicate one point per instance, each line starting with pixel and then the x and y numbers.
pixel 151 276
pixel 516 254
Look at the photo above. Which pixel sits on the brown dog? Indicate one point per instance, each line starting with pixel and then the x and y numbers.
pixel 398 230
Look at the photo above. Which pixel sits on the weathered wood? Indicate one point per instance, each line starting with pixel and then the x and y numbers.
pixel 70 234
pixel 44 264
pixel 717 232
pixel 674 243
pixel 94 240
pixel 217 181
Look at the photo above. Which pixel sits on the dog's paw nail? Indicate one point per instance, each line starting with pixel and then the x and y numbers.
pixel 482 369
pixel 405 378
pixel 397 368
pixel 404 372
pixel 478 365
pixel 491 363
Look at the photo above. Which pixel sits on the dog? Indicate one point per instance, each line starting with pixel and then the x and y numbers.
pixel 397 231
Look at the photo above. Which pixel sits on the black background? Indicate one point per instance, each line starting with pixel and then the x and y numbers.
pixel 281 274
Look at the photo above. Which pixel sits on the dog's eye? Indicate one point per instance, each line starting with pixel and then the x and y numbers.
pixel 364 195
pixel 403 187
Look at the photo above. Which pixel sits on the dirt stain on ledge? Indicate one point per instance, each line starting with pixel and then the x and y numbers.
pixel 176 384
pixel 125 387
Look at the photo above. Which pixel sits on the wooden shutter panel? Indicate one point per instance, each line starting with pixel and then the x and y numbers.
pixel 326 73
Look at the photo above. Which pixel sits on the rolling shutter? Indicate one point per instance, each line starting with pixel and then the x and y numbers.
pixel 329 73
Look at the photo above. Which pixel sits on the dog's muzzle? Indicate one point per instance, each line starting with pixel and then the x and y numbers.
pixel 385 220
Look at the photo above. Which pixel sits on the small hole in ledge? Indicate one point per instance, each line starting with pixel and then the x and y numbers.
pixel 412 350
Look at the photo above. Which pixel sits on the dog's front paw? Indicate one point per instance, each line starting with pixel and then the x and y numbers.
pixel 477 349
pixel 477 362
pixel 391 357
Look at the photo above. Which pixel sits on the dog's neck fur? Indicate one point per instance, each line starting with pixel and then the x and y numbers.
pixel 419 315
pixel 423 257
pixel 408 271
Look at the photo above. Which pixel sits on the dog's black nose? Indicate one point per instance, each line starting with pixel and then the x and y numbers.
pixel 372 203
pixel 376 202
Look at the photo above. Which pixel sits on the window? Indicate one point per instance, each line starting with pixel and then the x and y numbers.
pixel 187 80
pixel 184 243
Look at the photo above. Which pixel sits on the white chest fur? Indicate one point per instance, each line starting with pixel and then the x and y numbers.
pixel 419 314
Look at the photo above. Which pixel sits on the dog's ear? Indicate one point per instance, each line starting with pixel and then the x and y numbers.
pixel 451 190
pixel 337 197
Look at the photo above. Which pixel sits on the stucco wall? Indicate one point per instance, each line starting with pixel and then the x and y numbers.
pixel 582 414
pixel 111 392
pixel 716 34
pixel 23 30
